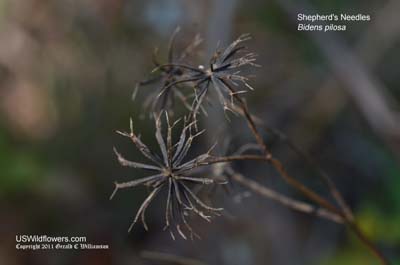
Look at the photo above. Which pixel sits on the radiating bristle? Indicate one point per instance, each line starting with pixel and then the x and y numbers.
pixel 171 173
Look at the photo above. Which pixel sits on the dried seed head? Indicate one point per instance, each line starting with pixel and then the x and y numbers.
pixel 169 171
pixel 168 78
pixel 223 74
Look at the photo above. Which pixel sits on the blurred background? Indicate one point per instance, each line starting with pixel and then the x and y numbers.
pixel 68 69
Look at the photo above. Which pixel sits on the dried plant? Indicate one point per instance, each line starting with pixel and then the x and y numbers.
pixel 169 171
pixel 223 73
pixel 166 76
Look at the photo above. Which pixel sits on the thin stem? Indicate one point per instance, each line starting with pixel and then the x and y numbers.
pixel 368 243
pixel 179 66
pixel 285 200
pixel 250 122
pixel 303 189
pixel 283 173
pixel 313 164
pixel 276 163
pixel 222 159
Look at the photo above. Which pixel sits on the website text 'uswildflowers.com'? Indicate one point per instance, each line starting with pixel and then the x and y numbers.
pixel 45 242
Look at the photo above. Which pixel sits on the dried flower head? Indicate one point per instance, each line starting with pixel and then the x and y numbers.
pixel 167 75
pixel 169 171
pixel 224 73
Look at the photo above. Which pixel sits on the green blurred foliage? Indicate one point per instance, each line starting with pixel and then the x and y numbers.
pixel 22 168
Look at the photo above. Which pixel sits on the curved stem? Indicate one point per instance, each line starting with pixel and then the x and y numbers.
pixel 285 200
pixel 343 211
pixel 223 159
pixel 367 242
pixel 177 65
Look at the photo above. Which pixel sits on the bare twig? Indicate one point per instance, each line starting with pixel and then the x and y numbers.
pixel 285 200
pixel 344 211
pixel 307 158
pixel 222 73
pixel 308 192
